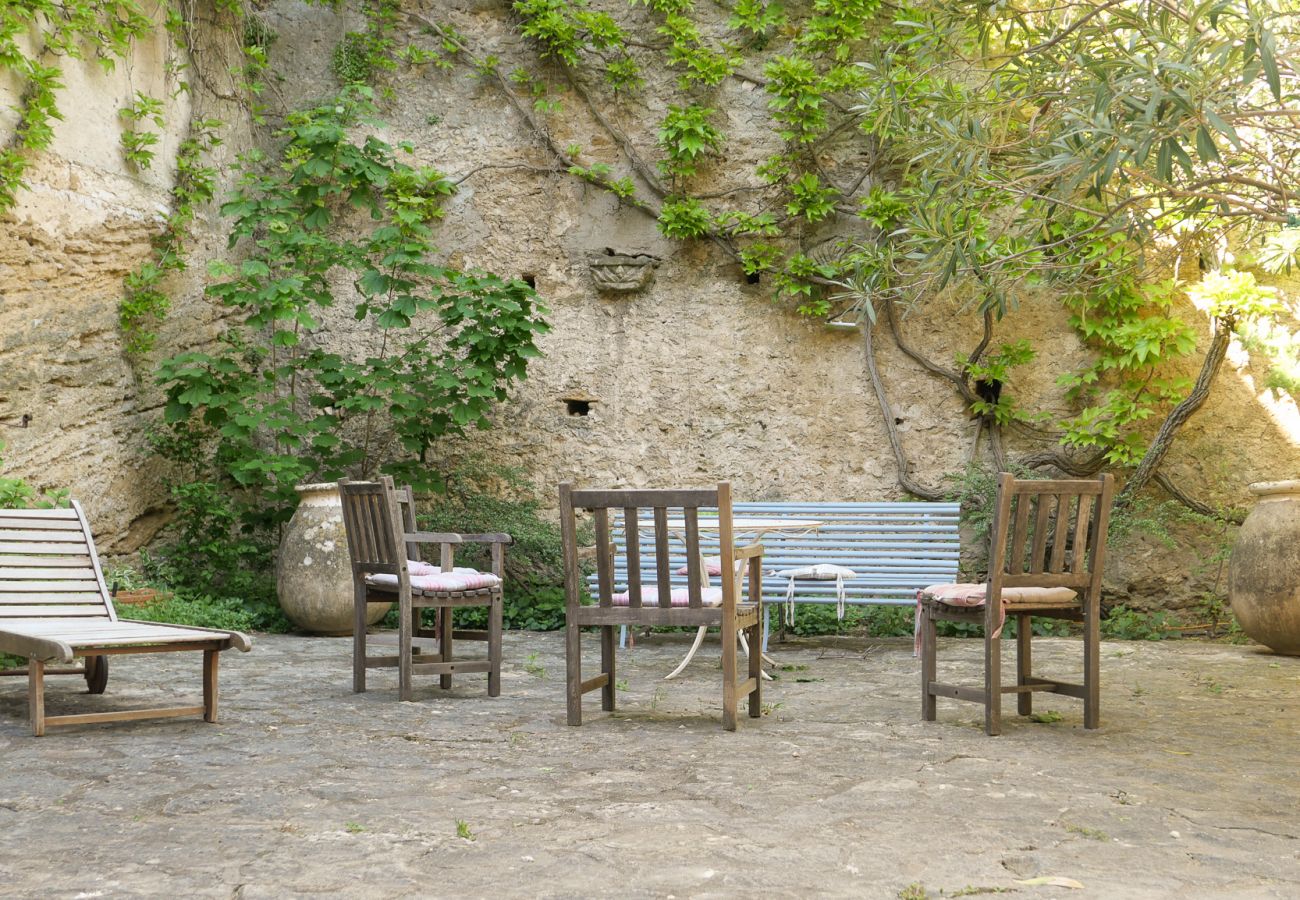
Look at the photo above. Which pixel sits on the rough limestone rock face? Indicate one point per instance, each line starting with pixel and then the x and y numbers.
pixel 695 377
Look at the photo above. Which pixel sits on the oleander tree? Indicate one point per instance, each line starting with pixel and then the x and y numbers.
pixel 1119 152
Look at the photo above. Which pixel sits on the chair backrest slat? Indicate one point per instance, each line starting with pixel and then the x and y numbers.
pixel 664 576
pixel 693 575
pixel 630 517
pixel 603 562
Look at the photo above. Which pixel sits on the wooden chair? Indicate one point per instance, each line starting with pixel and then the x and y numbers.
pixel 54 606
pixel 659 604
pixel 384 545
pixel 1047 550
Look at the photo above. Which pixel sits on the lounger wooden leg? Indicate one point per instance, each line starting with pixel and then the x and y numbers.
pixel 729 673
pixel 607 651
pixel 992 683
pixel 36 695
pixel 929 652
pixel 756 670
pixel 495 614
pixel 1024 629
pixel 1091 669
pixel 448 629
pixel 573 671
pixel 359 639
pixel 210 660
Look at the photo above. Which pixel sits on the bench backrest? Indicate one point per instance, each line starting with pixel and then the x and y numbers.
pixel 48 566
pixel 895 548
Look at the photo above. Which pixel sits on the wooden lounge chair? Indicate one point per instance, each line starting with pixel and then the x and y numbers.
pixel 383 543
pixel 54 607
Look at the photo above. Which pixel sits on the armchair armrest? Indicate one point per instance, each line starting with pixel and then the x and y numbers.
pixel 750 552
pixel 431 537
pixel 491 538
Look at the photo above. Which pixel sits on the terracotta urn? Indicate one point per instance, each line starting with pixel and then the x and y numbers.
pixel 1264 575
pixel 313 575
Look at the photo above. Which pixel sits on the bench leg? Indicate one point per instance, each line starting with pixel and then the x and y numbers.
pixel 36 695
pixel 210 660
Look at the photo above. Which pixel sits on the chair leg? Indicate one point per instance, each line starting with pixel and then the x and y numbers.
pixel 607 667
pixel 36 695
pixel 447 614
pixel 1024 630
pixel 495 614
pixel 929 641
pixel 210 662
pixel 359 639
pixel 1091 669
pixel 404 655
pixel 729 673
pixel 573 671
pixel 992 683
pixel 756 670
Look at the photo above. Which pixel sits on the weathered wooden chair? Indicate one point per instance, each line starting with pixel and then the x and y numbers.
pixel 659 604
pixel 54 607
pixel 384 545
pixel 1047 549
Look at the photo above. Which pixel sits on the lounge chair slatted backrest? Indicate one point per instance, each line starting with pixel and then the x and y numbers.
pixel 54 607
pixel 48 566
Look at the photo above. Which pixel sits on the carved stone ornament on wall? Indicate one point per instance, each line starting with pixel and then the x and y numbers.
pixel 621 272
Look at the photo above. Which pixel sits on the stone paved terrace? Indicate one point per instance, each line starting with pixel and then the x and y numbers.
pixel 1189 790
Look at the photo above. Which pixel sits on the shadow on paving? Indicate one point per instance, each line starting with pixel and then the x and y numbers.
pixel 304 788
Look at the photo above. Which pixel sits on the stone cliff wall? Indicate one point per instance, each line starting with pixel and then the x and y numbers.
pixel 697 377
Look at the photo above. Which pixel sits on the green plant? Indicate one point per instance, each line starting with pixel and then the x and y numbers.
pixel 810 199
pixel 1124 624
pixel 463 832
pixel 270 405
pixel 684 217
pixel 137 145
pixel 354 827
pixel 914 891
pixel 685 135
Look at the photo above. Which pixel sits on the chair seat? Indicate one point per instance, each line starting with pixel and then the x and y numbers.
pixel 710 596
pixel 973 596
pixel 968 595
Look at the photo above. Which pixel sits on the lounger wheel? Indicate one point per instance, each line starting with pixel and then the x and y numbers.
pixel 96 674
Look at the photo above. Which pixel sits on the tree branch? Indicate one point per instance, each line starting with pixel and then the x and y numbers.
pixel 1179 415
pixel 1235 516
pixel 887 412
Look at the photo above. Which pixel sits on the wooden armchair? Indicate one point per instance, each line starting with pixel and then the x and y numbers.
pixel 659 604
pixel 1048 541
pixel 384 545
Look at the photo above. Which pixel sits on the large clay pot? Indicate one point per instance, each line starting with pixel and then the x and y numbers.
pixel 1264 576
pixel 313 575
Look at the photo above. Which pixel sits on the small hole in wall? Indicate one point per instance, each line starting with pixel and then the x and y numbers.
pixel 578 407
pixel 898 421
pixel 752 277
pixel 529 279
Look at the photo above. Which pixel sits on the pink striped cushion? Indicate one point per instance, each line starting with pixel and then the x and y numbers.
pixel 459 580
pixel 680 597
pixel 973 595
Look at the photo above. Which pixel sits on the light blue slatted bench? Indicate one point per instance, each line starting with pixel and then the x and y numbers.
pixel 895 549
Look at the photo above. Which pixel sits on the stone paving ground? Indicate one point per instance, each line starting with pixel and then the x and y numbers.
pixel 304 789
